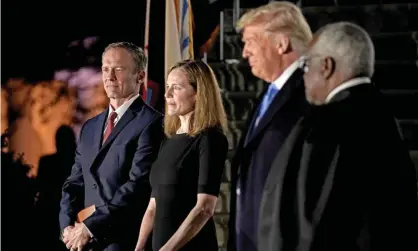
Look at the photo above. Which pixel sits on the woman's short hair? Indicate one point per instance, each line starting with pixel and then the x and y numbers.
pixel 209 110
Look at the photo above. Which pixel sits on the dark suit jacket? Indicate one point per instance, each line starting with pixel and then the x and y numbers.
pixel 113 176
pixel 342 181
pixel 256 150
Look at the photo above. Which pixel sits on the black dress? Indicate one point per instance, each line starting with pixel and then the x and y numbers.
pixel 185 167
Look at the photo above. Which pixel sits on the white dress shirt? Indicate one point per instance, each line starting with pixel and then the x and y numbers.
pixel 120 110
pixel 347 84
pixel 282 79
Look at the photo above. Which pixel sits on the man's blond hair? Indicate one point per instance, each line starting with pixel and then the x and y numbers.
pixel 284 17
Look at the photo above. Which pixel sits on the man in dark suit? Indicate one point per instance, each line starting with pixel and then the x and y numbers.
pixel 274 35
pixel 343 180
pixel 113 159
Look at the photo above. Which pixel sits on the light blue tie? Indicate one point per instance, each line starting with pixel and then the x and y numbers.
pixel 268 97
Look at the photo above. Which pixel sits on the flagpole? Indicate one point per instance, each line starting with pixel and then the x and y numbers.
pixel 221 39
pixel 205 57
pixel 146 41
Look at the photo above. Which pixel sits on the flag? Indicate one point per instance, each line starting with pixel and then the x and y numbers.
pixel 178 32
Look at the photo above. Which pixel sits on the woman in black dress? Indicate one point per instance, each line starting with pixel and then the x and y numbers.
pixel 187 174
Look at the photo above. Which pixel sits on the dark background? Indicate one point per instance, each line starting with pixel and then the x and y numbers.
pixel 36 34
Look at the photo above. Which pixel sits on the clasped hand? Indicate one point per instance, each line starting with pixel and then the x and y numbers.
pixel 76 237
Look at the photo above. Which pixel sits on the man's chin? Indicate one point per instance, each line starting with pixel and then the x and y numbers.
pixel 257 74
pixel 113 96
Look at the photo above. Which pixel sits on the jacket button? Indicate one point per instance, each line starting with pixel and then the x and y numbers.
pixel 94 185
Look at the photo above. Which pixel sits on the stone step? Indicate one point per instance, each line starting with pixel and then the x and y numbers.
pixel 237 77
pixel 238 105
pixel 402 104
pixel 221 224
pixel 396 75
pixel 234 134
pixel 405 43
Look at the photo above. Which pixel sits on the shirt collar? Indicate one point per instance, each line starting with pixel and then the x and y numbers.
pixel 123 108
pixel 345 85
pixel 282 79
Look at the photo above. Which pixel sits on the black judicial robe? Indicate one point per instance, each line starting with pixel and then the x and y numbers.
pixel 342 181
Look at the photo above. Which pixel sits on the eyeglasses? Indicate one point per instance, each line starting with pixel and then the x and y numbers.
pixel 304 62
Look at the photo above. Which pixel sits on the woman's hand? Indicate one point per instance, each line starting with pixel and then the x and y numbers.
pixel 197 218
pixel 146 226
pixel 166 248
pixel 139 246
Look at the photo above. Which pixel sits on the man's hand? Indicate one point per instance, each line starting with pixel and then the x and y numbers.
pixel 66 234
pixel 79 237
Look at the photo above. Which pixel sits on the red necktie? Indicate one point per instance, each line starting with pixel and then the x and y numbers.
pixel 110 125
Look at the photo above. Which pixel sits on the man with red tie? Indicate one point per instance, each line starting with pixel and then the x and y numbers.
pixel 113 159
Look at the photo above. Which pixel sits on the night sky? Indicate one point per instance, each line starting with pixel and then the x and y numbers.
pixel 36 34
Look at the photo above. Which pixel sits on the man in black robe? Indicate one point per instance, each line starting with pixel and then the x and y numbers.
pixel 343 180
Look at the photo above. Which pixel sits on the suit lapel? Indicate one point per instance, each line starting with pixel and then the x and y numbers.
pixel 278 102
pixel 124 120
pixel 252 124
pixel 98 134
pixel 127 117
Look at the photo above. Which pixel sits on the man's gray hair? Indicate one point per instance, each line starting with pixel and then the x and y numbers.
pixel 349 45
pixel 136 52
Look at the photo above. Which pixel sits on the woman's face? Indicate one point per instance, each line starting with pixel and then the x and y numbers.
pixel 180 95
